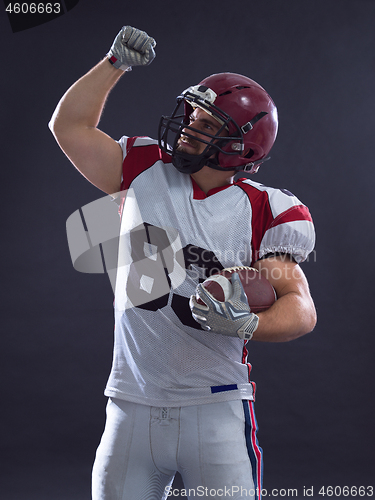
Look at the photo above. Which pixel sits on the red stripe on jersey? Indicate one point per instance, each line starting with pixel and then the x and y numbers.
pixel 244 362
pixel 249 368
pixel 138 159
pixel 298 212
pixel 129 144
pixel 262 217
pixel 244 353
pixel 198 194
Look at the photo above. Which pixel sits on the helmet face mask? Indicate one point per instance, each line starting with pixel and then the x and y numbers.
pixel 240 111
pixel 171 129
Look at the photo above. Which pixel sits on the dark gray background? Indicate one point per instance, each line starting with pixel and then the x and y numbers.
pixel 315 397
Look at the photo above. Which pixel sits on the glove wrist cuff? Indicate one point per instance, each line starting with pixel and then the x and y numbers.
pixel 247 331
pixel 117 63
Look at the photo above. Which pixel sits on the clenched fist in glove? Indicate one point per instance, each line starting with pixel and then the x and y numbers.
pixel 131 47
pixel 233 317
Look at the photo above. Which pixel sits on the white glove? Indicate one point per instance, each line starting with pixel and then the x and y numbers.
pixel 131 47
pixel 233 317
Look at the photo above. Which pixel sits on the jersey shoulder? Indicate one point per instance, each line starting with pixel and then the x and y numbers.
pixel 281 223
pixel 139 154
pixel 127 143
pixel 278 200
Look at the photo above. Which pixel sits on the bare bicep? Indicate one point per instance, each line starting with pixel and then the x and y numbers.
pixel 285 275
pixel 96 155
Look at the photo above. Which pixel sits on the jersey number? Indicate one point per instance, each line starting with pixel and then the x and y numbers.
pixel 153 262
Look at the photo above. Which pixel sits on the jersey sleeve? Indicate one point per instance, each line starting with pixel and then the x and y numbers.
pixel 281 223
pixel 291 230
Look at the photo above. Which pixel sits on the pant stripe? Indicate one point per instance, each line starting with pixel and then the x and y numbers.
pixel 253 448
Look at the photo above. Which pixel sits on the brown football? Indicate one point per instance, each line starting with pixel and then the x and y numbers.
pixel 259 291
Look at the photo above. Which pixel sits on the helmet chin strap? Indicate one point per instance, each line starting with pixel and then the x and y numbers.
pixel 188 164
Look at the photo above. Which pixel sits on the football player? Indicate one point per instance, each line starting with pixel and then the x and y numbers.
pixel 179 393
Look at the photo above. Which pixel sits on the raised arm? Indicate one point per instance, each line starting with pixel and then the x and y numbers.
pixel 75 120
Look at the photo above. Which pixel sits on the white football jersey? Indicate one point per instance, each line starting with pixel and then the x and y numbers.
pixel 172 237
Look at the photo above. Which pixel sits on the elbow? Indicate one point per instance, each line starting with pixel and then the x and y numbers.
pixel 59 130
pixel 307 323
pixel 307 317
pixel 53 123
pixel 313 321
pixel 58 123
pixel 311 318
pixel 51 126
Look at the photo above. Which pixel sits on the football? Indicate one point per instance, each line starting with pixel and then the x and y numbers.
pixel 259 291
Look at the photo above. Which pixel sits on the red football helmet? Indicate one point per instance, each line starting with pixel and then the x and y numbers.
pixel 241 106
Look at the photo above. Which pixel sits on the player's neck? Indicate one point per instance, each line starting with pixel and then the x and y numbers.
pixel 208 178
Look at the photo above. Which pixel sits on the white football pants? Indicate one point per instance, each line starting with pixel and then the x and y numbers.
pixel 213 447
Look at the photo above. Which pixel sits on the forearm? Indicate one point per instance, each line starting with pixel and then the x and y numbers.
pixel 83 103
pixel 290 317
